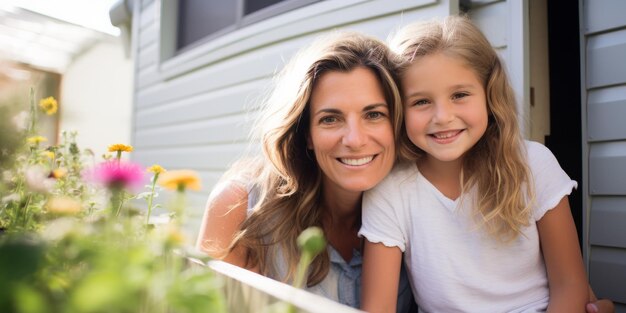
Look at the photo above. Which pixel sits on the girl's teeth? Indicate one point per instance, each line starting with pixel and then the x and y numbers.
pixel 356 162
pixel 444 135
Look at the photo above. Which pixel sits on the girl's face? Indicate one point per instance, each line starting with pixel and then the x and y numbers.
pixel 445 107
pixel 351 133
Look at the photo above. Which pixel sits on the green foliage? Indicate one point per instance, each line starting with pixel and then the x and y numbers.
pixel 61 250
pixel 70 246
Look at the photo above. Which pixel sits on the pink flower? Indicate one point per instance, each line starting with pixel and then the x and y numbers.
pixel 117 175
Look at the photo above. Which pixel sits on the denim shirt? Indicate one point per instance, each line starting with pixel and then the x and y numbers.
pixel 343 282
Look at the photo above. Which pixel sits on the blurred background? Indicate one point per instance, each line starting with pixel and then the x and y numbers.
pixel 68 49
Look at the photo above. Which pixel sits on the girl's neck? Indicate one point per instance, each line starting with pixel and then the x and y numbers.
pixel 445 176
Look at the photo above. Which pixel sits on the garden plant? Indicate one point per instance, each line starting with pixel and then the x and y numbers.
pixel 76 233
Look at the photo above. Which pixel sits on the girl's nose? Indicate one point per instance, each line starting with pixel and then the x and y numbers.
pixel 444 112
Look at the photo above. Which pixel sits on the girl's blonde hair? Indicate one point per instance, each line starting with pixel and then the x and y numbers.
pixel 496 165
pixel 286 176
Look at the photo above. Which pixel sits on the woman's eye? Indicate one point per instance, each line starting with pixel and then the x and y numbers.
pixel 328 120
pixel 374 115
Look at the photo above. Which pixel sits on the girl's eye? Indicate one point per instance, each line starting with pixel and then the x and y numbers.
pixel 420 102
pixel 460 95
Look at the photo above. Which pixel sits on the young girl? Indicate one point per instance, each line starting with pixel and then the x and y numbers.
pixel 481 214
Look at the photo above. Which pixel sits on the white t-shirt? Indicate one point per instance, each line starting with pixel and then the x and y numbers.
pixel 453 265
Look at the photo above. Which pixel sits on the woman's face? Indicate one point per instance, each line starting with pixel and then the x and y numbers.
pixel 350 130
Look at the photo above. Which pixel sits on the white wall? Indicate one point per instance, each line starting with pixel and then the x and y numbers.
pixel 96 96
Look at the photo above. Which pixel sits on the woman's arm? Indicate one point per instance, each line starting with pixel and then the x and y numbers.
pixel 566 273
pixel 381 273
pixel 226 209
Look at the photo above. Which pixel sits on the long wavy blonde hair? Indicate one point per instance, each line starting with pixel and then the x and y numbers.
pixel 496 165
pixel 288 180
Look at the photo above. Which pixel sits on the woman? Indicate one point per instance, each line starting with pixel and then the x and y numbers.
pixel 328 133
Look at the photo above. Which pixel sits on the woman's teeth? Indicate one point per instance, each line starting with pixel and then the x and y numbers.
pixel 357 162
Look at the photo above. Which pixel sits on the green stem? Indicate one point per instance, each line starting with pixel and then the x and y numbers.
pixel 179 205
pixel 116 202
pixel 151 197
pixel 24 214
pixel 303 265
pixel 33 112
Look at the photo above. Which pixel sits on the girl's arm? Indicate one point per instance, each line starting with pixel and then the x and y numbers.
pixel 599 306
pixel 381 273
pixel 566 273
pixel 226 209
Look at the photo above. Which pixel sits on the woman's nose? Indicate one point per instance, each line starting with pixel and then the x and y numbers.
pixel 354 135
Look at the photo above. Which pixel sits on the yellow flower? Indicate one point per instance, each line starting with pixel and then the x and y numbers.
pixel 180 179
pixel 157 169
pixel 36 139
pixel 174 237
pixel 49 105
pixel 63 205
pixel 120 147
pixel 48 154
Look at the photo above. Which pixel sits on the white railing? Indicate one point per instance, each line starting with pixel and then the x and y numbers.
pixel 247 291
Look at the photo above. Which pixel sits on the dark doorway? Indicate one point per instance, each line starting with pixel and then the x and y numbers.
pixel 565 138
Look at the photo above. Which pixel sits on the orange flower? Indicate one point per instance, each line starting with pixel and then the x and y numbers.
pixel 63 205
pixel 180 180
pixel 120 147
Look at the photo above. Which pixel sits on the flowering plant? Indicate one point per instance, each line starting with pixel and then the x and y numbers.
pixel 72 240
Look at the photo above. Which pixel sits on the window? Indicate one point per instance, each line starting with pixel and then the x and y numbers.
pixel 202 20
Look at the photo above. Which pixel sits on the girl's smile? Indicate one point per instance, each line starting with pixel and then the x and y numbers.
pixel 445 107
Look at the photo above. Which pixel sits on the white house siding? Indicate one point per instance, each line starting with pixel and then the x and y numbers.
pixel 604 88
pixel 191 110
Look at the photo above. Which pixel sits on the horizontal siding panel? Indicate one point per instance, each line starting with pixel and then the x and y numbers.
pixel 317 17
pixel 215 157
pixel 605 59
pixel 607 222
pixel 148 35
pixel 146 77
pixel 216 131
pixel 147 56
pixel 600 15
pixel 607 168
pixel 606 112
pixel 252 66
pixel 607 269
pixel 145 3
pixel 227 101
pixel 492 21
pixel 148 14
